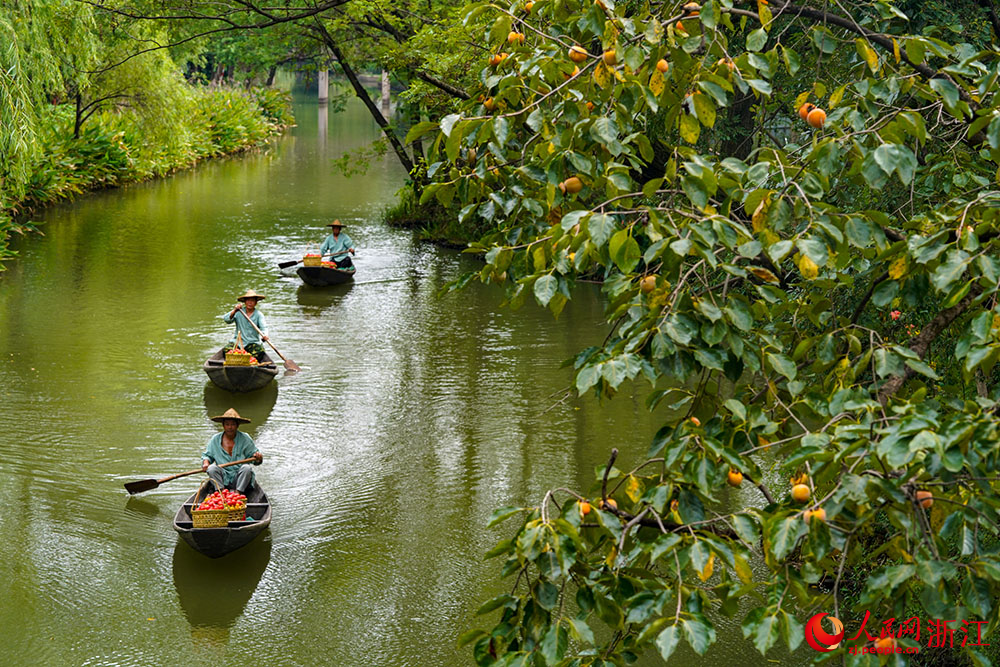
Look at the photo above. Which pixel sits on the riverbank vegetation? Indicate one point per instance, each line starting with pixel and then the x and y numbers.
pixel 93 117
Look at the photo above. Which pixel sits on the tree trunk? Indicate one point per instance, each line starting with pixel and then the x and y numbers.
pixel 359 90
pixel 78 121
pixel 270 75
pixel 220 69
pixel 739 125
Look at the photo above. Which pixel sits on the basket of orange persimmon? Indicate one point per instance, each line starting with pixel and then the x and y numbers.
pixel 219 509
pixel 239 357
pixel 312 260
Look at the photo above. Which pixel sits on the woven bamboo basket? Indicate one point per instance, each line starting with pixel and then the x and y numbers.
pixel 238 359
pixel 215 518
pixel 312 260
pixel 234 358
pixel 208 518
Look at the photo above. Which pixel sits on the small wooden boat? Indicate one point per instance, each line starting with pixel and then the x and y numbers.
pixel 324 276
pixel 239 378
pixel 217 542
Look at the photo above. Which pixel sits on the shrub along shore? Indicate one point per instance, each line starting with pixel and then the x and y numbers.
pixel 117 147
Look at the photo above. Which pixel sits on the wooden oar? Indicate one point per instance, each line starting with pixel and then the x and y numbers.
pixel 289 364
pixel 147 484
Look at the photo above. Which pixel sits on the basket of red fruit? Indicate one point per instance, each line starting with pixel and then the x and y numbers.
pixel 219 508
pixel 312 260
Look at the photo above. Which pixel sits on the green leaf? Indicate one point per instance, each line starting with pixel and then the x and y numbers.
pixel 667 642
pixel 766 634
pixel 947 90
pixel 419 130
pixel 545 288
pixel 547 594
pixel 756 40
pixel 699 634
pixel 950 271
pixel 554 643
pixel 922 368
pixel 792 61
pixel 624 251
pixel 499 601
pixel 783 534
pixel 470 636
pixel 502 514
pixel 782 364
pixel 896 158
pixel 600 227
pixel 746 528
pixel 582 631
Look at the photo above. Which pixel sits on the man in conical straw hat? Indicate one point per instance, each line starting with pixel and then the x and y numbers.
pixel 338 244
pixel 231 445
pixel 249 338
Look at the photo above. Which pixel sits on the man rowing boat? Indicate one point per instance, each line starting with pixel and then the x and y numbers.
pixel 338 244
pixel 231 445
pixel 251 341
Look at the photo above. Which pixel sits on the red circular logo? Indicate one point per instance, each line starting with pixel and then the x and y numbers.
pixel 818 638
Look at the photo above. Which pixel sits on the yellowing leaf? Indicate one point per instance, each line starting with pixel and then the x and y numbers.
pixel 895 50
pixel 707 572
pixel 764 274
pixel 837 96
pixel 602 76
pixel 898 267
pixel 867 53
pixel 759 215
pixel 764 13
pixel 808 268
pixel 656 84
pixel 801 99
pixel 743 570
pixel 632 488
pixel 690 128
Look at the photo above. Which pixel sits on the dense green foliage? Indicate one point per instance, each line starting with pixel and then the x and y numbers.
pixel 812 305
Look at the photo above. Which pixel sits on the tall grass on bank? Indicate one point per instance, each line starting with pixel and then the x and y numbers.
pixel 117 147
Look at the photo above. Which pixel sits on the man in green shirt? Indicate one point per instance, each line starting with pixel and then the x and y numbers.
pixel 231 445
pixel 338 244
pixel 251 340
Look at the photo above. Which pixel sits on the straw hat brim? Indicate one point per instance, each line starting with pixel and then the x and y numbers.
pixel 222 418
pixel 230 414
pixel 337 223
pixel 250 294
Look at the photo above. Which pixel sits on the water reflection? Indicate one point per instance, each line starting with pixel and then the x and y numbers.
pixel 142 508
pixel 314 300
pixel 214 592
pixel 255 405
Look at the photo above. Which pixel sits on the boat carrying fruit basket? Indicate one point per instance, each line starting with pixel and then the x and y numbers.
pixel 214 518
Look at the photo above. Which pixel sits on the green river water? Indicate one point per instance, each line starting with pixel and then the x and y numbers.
pixel 416 415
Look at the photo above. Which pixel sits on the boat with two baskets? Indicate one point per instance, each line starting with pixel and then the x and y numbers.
pixel 238 370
